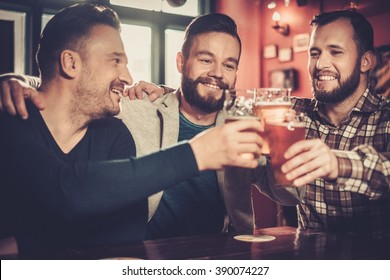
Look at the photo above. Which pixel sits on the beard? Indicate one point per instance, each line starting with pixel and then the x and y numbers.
pixel 91 100
pixel 207 104
pixel 340 93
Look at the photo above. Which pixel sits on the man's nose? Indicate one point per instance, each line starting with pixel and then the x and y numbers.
pixel 323 61
pixel 216 71
pixel 125 76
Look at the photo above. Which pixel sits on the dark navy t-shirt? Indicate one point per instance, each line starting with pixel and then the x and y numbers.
pixel 191 207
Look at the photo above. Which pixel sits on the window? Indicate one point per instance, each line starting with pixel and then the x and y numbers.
pixel 12 49
pixel 45 19
pixel 167 24
pixel 138 46
pixel 152 32
pixel 173 43
pixel 187 8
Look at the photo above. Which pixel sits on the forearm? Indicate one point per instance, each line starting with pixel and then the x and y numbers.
pixel 120 183
pixel 365 171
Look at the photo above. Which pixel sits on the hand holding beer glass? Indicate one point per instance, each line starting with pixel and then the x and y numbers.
pixel 281 127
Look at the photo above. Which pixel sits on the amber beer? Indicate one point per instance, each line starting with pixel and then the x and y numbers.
pixel 281 136
pixel 238 118
pixel 270 112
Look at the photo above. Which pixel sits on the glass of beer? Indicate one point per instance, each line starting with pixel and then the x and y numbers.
pixel 271 105
pixel 281 135
pixel 239 106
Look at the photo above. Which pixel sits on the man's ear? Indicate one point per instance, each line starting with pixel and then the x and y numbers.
pixel 368 61
pixel 180 62
pixel 70 63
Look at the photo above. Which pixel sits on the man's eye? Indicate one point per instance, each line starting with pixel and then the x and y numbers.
pixel 230 66
pixel 314 55
pixel 336 52
pixel 116 60
pixel 206 60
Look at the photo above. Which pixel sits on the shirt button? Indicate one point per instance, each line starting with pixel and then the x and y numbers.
pixel 333 213
pixel 331 188
pixel 335 132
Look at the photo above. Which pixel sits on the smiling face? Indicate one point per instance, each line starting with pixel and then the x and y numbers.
pixel 210 68
pixel 334 63
pixel 104 73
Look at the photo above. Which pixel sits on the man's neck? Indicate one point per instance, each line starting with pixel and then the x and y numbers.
pixel 337 112
pixel 195 115
pixel 66 127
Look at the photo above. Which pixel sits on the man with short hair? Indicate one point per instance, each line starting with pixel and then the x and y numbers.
pixel 68 170
pixel 342 171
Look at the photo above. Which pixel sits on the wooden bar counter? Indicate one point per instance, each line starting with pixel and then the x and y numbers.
pixel 290 243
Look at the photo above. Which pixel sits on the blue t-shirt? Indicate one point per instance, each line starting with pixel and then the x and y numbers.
pixel 191 207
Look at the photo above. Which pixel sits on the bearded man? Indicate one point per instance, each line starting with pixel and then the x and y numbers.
pixel 208 63
pixel 342 170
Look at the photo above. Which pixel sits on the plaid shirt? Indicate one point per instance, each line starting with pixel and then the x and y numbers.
pixel 359 200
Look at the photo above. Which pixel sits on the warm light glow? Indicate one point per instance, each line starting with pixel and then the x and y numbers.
pixel 276 16
pixel 271 5
pixel 282 28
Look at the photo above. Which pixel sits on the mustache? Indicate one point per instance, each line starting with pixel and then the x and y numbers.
pixel 207 80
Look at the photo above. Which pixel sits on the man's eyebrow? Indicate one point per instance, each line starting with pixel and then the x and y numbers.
pixel 335 47
pixel 205 52
pixel 314 49
pixel 120 54
pixel 332 46
pixel 232 59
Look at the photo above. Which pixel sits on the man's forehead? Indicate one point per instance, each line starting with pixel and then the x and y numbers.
pixel 341 25
pixel 215 41
pixel 339 30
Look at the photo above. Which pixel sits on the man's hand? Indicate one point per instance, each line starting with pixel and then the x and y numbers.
pixel 13 93
pixel 233 144
pixel 137 90
pixel 309 160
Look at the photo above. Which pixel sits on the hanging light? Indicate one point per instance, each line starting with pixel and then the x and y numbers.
pixel 271 5
pixel 282 28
